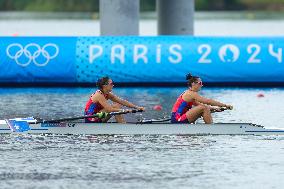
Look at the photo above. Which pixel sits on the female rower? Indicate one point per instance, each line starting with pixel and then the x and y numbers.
pixel 190 106
pixel 98 102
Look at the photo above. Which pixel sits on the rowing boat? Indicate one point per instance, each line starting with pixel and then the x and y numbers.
pixel 141 128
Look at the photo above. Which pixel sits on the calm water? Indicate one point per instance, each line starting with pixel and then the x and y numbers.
pixel 32 161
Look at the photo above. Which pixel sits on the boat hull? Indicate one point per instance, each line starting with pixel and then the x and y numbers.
pixel 146 129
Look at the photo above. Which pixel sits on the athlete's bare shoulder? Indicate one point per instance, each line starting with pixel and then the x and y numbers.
pixel 97 95
pixel 188 95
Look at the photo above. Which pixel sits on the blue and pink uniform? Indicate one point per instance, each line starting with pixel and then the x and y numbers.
pixel 179 109
pixel 93 108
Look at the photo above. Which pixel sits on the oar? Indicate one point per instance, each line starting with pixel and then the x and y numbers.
pixel 221 110
pixel 99 115
pixel 22 125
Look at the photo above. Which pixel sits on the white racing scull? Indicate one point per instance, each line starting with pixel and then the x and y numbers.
pixel 142 129
pixel 145 127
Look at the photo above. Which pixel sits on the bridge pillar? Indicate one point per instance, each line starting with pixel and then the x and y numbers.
pixel 175 17
pixel 119 17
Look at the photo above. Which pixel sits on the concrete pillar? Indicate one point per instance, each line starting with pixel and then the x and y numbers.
pixel 119 17
pixel 175 17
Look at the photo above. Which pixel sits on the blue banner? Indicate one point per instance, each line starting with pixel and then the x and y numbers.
pixel 37 59
pixel 141 59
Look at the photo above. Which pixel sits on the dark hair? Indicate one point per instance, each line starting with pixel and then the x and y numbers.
pixel 102 81
pixel 191 79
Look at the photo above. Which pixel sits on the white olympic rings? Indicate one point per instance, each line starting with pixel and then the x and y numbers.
pixel 31 55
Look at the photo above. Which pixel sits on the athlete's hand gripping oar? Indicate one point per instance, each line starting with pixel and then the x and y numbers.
pixel 22 125
pixel 221 109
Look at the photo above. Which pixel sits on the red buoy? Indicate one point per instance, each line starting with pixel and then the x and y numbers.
pixel 158 107
pixel 259 95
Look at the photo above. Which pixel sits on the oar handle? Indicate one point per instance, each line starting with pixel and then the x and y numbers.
pixel 224 108
pixel 227 108
pixel 221 109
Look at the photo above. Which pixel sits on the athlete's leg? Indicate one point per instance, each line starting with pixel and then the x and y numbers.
pixel 118 118
pixel 207 117
pixel 196 112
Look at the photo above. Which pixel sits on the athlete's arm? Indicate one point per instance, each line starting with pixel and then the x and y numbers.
pixel 208 101
pixel 123 102
pixel 212 108
pixel 103 101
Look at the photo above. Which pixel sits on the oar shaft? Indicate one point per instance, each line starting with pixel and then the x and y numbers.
pixel 101 115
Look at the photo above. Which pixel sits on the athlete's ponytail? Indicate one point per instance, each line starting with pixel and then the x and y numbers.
pixel 191 79
pixel 188 76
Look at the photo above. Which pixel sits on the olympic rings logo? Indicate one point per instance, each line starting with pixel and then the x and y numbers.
pixel 23 56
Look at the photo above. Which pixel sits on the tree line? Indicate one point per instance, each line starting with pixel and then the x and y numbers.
pixel 145 5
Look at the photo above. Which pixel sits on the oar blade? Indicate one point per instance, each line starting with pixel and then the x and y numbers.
pixel 18 126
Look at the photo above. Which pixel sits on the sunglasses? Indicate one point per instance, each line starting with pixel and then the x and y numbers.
pixel 200 83
pixel 111 83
